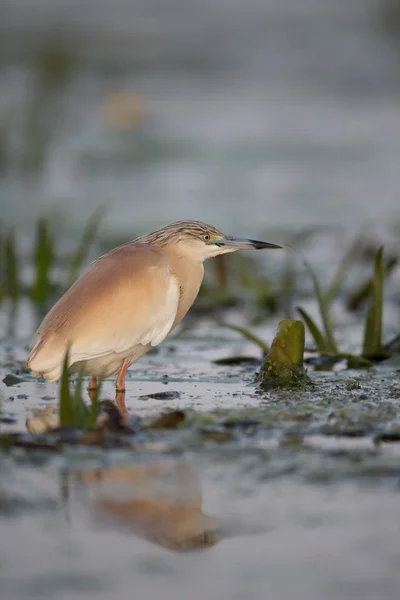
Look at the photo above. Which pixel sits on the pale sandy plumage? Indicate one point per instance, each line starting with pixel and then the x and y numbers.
pixel 128 301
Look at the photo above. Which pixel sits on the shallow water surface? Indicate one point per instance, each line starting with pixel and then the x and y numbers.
pixel 298 501
pixel 274 536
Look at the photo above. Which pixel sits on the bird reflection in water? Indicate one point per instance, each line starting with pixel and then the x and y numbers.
pixel 159 501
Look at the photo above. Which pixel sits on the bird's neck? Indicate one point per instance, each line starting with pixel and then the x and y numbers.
pixel 190 274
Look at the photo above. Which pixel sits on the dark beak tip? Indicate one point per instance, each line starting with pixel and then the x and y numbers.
pixel 266 246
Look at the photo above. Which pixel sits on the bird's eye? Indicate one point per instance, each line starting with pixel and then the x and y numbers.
pixel 206 237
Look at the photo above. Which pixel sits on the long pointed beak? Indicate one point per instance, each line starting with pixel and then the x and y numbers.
pixel 236 243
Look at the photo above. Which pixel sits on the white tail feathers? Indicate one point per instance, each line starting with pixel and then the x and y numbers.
pixel 45 360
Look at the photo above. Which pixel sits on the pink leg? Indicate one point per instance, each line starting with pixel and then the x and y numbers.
pixel 120 402
pixel 120 382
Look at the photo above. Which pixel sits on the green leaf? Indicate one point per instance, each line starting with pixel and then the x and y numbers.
pixel 362 293
pixel 72 409
pixel 43 259
pixel 247 334
pixel 88 235
pixel 324 310
pixel 65 404
pixel 351 254
pixel 372 346
pixel 318 336
pixel 78 406
pixel 10 380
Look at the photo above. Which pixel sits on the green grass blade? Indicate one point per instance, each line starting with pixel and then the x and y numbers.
pixel 372 346
pixel 351 254
pixel 247 334
pixel 363 292
pixel 324 310
pixel 88 236
pixel 43 258
pixel 315 331
pixel 12 285
pixel 65 403
pixel 78 405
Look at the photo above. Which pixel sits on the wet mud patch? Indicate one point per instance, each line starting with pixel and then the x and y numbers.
pixel 221 407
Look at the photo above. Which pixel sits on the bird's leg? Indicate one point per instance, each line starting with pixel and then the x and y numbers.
pixel 120 402
pixel 120 382
pixel 92 384
pixel 92 389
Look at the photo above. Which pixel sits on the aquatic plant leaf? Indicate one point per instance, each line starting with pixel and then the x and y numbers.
pixel 350 256
pixel 78 406
pixel 88 235
pixel 315 331
pixel 393 345
pixel 43 259
pixel 324 310
pixel 372 346
pixel 10 380
pixel 12 285
pixel 65 404
pixel 362 293
pixel 72 409
pixel 247 334
pixel 357 362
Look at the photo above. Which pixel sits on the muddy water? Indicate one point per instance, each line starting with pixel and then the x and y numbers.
pixel 279 537
pixel 300 503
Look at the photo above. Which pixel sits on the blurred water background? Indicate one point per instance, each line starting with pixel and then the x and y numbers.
pixel 252 116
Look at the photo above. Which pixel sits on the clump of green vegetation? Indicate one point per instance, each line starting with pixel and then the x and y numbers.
pixel 43 262
pixel 73 411
pixel 283 367
pixel 325 339
pixel 44 285
pixel 238 282
pixel 373 348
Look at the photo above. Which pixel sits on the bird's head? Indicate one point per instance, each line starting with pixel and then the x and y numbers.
pixel 201 241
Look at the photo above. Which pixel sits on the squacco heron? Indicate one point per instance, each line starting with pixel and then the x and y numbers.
pixel 128 302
